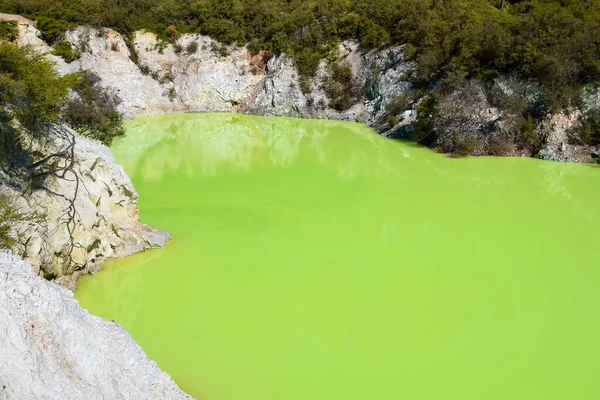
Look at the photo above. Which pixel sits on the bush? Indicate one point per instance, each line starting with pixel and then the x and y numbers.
pixel 171 94
pixel 31 91
pixel 423 130
pixel 9 31
pixel 65 50
pixel 161 45
pixel 373 35
pixel 410 51
pixel 589 132
pixel 399 104
pixel 463 147
pixel 528 131
pixel 9 216
pixel 340 85
pixel 219 49
pixel 192 47
pixel 92 111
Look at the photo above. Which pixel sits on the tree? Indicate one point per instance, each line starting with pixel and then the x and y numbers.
pixel 92 111
pixel 34 146
pixel 31 91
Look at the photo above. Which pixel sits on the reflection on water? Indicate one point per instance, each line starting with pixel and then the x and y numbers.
pixel 317 260
pixel 192 143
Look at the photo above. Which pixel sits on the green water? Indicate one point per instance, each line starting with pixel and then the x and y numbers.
pixel 315 260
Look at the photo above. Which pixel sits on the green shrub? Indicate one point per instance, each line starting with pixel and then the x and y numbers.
pixel 219 49
pixel 133 54
pixel 65 50
pixel 161 45
pixel 102 33
pixel 399 104
pixel 340 85
pixel 589 132
pixel 31 91
pixel 255 46
pixel 171 94
pixel 553 42
pixel 92 111
pixel 373 35
pixel 9 30
pixel 410 51
pixel 528 131
pixel 466 147
pixel 192 47
pixel 423 131
pixel 9 216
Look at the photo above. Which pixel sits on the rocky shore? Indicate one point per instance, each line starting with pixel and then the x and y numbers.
pixel 82 221
pixel 199 74
pixel 50 348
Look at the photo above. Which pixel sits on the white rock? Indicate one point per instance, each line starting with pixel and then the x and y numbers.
pixel 50 348
pixel 107 218
pixel 208 81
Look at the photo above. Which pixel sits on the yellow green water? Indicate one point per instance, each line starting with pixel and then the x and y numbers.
pixel 316 260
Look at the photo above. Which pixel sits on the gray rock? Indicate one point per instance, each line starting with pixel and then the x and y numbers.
pixel 107 218
pixel 557 129
pixel 210 81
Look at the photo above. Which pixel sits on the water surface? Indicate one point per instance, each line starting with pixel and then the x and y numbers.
pixel 316 260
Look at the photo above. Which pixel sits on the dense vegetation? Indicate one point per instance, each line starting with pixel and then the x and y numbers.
pixel 33 96
pixel 554 41
pixel 34 99
pixel 92 110
pixel 8 216
pixel 30 95
pixel 8 30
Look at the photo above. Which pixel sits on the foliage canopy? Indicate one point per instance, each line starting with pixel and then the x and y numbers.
pixel 553 41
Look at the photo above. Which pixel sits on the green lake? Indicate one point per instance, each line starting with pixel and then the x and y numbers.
pixel 316 260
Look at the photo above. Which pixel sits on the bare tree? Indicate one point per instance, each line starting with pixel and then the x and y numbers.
pixel 59 164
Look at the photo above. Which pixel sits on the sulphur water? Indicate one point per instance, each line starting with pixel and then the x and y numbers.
pixel 316 260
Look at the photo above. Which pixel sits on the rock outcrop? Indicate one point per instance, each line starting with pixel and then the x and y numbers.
pixel 379 77
pixel 50 348
pixel 199 74
pixel 83 220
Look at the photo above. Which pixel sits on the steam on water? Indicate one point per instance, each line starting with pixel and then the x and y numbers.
pixel 315 260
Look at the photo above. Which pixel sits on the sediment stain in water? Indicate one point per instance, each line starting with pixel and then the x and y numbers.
pixel 317 260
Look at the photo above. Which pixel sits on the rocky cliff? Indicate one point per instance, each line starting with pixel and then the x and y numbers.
pixel 83 218
pixel 197 74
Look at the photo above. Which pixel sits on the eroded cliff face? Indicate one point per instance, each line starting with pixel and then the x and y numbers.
pixel 169 78
pixel 152 77
pixel 199 74
pixel 379 76
pixel 82 220
pixel 53 349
